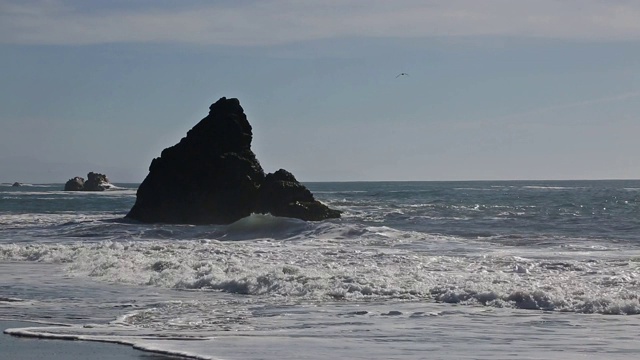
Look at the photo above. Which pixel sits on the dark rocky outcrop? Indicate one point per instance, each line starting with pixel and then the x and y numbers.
pixel 213 177
pixel 16 184
pixel 95 182
pixel 75 184
pixel 282 195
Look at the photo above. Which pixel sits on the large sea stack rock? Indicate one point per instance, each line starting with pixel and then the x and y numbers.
pixel 213 177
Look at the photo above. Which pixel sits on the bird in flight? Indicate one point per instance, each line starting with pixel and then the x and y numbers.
pixel 402 74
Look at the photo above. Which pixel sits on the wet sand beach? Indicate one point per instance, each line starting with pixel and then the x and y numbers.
pixel 25 348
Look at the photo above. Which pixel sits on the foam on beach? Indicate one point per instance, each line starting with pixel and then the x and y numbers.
pixel 316 264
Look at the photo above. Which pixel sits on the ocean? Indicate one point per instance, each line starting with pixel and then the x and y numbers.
pixel 413 270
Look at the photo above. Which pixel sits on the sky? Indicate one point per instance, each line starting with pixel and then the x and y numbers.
pixel 497 89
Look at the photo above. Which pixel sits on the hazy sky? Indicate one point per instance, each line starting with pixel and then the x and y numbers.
pixel 497 89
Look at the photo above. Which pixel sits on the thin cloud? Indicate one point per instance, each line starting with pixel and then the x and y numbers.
pixel 269 22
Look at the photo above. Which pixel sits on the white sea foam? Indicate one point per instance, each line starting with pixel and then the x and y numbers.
pixel 325 268
pixel 543 187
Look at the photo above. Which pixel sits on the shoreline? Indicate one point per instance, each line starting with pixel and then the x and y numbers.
pixel 35 348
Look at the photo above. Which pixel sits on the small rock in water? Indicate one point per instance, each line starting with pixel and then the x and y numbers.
pixel 392 313
pixel 95 182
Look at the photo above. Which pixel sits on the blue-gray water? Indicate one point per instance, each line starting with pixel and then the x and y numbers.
pixel 494 257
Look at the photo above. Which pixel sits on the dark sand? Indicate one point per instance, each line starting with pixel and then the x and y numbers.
pixel 25 348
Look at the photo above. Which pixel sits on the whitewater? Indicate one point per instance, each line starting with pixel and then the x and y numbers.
pixel 413 270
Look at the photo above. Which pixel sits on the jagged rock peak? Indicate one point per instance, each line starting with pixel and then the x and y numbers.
pixel 226 128
pixel 213 177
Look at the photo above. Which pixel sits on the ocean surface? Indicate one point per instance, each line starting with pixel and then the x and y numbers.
pixel 413 270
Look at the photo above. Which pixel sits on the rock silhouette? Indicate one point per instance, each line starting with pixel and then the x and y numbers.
pixel 75 184
pixel 282 195
pixel 213 177
pixel 95 182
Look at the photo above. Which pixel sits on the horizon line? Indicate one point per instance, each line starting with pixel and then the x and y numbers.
pixel 4 183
